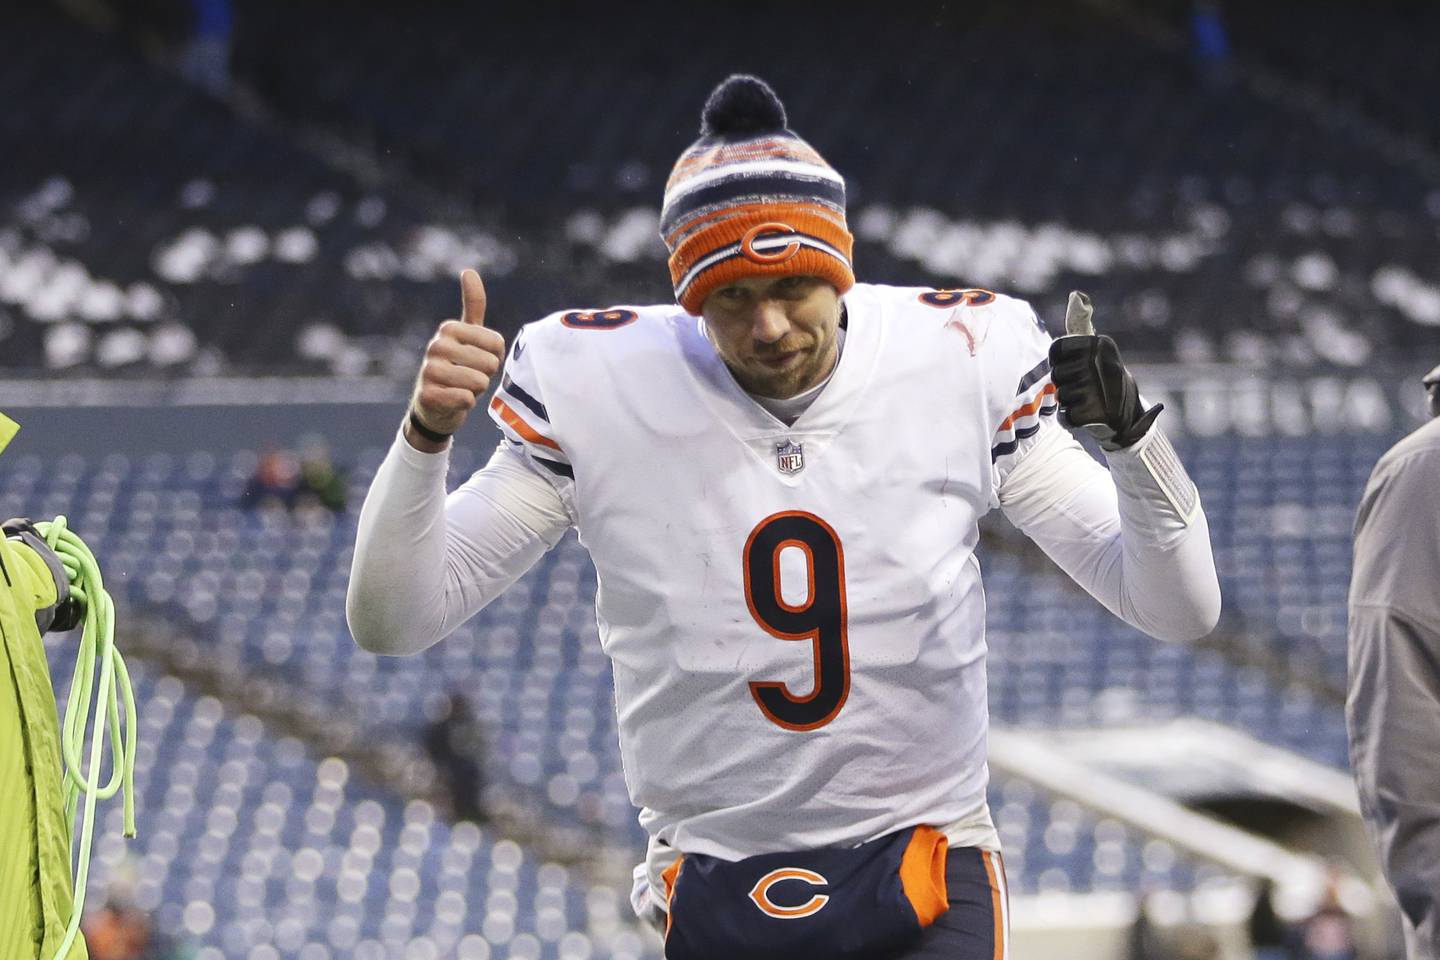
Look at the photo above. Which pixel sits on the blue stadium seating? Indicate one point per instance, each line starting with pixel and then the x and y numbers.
pixel 147 228
pixel 263 590
pixel 249 846
pixel 1054 846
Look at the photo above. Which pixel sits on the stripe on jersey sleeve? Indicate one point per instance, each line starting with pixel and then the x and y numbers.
pixel 514 391
pixel 1040 370
pixel 554 466
pixel 518 427
pixel 1035 399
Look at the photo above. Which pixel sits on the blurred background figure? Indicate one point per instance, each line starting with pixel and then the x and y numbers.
pixel 276 481
pixel 1147 939
pixel 1393 708
pixel 292 481
pixel 118 931
pixel 1270 936
pixel 121 931
pixel 455 741
pixel 322 483
pixel 1328 933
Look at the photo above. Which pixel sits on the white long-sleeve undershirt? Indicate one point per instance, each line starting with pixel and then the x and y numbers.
pixel 425 563
pixel 1120 533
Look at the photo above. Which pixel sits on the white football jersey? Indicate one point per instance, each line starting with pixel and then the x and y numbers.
pixel 794 613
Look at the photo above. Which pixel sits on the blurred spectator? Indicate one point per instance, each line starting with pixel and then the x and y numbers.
pixel 456 744
pixel 1269 935
pixel 1328 933
pixel 1146 940
pixel 284 479
pixel 276 480
pixel 321 483
pixel 121 931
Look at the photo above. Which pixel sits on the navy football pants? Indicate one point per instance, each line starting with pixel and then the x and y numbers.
pixel 976 927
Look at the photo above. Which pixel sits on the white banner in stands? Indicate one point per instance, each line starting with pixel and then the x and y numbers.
pixel 1203 402
pixel 1228 401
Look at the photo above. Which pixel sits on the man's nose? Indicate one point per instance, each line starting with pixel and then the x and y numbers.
pixel 769 324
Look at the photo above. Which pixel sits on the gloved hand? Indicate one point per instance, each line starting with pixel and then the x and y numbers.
pixel 1094 389
pixel 68 612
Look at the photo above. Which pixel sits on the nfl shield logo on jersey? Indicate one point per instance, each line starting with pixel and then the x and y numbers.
pixel 790 456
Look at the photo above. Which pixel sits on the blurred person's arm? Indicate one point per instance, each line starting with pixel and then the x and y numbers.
pixel 1134 536
pixel 1393 703
pixel 425 563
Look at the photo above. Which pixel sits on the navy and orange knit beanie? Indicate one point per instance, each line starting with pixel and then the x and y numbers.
pixel 750 198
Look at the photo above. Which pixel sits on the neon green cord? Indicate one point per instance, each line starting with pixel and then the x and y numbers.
pixel 96 640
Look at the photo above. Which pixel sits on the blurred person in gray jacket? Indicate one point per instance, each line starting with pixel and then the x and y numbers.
pixel 1393 706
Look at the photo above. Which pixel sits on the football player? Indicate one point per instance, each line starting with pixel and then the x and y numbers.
pixel 779 479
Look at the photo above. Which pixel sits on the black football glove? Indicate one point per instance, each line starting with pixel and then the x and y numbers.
pixel 1094 389
pixel 68 611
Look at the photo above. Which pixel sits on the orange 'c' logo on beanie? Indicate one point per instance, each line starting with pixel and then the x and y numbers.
pixel 763 231
pixel 760 893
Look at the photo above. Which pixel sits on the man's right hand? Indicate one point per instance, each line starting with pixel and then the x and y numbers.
pixel 459 362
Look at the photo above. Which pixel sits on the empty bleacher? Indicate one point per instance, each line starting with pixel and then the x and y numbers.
pixel 250 846
pixel 158 231
pixel 314 224
pixel 262 590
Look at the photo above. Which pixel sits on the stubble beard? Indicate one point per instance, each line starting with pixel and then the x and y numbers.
pixel 760 382
pixel 812 369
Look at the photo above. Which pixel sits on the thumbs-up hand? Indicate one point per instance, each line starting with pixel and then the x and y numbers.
pixel 455 373
pixel 1094 389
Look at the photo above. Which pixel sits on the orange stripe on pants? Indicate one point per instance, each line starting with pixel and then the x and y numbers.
pixel 999 893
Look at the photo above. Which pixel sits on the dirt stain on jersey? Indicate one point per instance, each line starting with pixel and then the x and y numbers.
pixel 960 325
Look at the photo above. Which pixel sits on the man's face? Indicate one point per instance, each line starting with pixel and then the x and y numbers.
pixel 776 334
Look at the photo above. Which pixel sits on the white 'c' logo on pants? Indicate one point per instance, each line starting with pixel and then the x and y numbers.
pixel 761 893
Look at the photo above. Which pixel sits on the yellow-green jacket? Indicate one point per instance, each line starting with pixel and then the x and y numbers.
pixel 35 882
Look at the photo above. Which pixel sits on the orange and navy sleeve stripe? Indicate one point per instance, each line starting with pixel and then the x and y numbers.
pixel 524 420
pixel 1034 400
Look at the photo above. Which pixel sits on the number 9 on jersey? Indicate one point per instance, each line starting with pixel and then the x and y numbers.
pixel 820 618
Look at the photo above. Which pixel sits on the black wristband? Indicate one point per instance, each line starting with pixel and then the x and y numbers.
pixel 426 432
